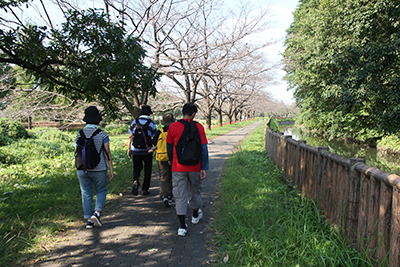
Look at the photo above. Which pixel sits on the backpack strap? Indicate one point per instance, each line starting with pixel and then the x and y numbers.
pixel 147 122
pixel 189 124
pixel 82 133
pixel 98 130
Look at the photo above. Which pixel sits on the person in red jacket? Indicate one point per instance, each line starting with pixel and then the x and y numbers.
pixel 187 178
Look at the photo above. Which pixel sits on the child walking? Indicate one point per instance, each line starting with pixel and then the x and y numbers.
pixel 164 169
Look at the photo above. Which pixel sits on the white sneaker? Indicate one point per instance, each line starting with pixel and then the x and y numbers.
pixel 96 220
pixel 182 231
pixel 199 216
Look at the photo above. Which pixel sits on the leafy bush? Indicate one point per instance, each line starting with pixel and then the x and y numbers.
pixel 116 128
pixel 52 134
pixel 29 150
pixel 274 125
pixel 390 143
pixel 4 140
pixel 10 129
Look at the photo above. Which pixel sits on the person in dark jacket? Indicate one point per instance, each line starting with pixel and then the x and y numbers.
pixel 141 156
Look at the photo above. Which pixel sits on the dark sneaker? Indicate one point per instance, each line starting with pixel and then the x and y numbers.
pixel 167 203
pixel 96 220
pixel 89 224
pixel 145 193
pixel 135 187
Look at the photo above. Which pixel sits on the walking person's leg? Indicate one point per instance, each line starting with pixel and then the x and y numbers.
pixel 195 201
pixel 164 170
pixel 100 184
pixel 137 168
pixel 148 164
pixel 86 186
pixel 180 190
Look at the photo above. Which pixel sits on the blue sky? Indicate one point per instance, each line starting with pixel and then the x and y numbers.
pixel 282 15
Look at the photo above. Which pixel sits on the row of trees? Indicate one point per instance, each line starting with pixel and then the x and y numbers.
pixel 342 59
pixel 196 51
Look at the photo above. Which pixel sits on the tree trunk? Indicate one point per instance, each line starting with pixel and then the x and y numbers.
pixel 219 118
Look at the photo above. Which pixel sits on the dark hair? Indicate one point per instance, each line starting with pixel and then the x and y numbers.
pixel 189 109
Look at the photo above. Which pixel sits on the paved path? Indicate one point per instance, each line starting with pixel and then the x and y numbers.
pixel 140 231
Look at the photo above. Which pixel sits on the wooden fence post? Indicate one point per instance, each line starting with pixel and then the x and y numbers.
pixel 352 210
pixel 394 257
pixel 281 149
pixel 297 169
pixel 285 156
pixel 362 212
pixel 373 214
pixel 320 172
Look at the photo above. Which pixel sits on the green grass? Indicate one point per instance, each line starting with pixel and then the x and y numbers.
pixel 217 131
pixel 261 221
pixel 39 191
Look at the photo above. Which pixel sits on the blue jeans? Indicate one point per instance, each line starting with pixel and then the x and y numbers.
pixel 87 181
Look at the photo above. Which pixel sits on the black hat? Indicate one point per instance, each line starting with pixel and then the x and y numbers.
pixel 167 119
pixel 92 115
pixel 146 110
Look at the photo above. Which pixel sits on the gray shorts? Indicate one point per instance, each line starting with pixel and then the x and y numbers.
pixel 185 185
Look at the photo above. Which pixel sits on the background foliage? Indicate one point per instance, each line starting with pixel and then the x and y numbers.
pixel 88 58
pixel 342 60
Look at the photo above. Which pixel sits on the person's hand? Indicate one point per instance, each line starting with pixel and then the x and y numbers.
pixel 169 162
pixel 202 174
pixel 151 150
pixel 129 153
pixel 111 175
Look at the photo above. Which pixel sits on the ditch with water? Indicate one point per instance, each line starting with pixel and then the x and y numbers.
pixel 373 157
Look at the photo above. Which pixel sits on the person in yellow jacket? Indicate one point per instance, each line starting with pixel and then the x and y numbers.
pixel 164 169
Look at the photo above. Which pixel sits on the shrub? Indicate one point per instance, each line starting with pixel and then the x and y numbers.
pixel 52 134
pixel 4 140
pixel 10 129
pixel 116 128
pixel 274 125
pixel 390 143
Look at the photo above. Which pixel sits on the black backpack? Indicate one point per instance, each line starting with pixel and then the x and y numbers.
pixel 86 155
pixel 140 136
pixel 188 148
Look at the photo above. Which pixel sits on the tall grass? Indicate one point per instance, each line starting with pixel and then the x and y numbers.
pixel 261 221
pixel 39 191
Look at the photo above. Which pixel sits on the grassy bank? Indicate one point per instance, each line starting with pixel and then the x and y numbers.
pixel 260 221
pixel 39 191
